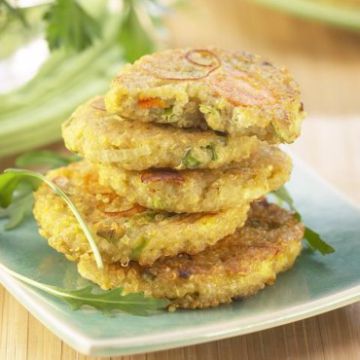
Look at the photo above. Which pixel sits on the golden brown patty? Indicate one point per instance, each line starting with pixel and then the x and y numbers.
pixel 202 190
pixel 236 267
pixel 228 91
pixel 104 138
pixel 123 230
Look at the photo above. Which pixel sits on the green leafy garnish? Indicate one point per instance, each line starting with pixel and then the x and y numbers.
pixel 68 25
pixel 316 243
pixel 16 198
pixel 46 158
pixel 20 207
pixel 8 184
pixel 17 175
pixel 189 161
pixel 285 196
pixel 135 33
pixel 16 202
pixel 105 301
pixel 312 237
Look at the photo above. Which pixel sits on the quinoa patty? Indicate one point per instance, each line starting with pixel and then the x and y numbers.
pixel 201 190
pixel 236 267
pixel 228 91
pixel 123 231
pixel 104 138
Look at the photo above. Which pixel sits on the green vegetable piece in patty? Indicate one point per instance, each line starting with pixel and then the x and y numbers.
pixel 189 161
pixel 136 252
pixel 168 113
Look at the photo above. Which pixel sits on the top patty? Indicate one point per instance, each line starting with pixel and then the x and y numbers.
pixel 228 91
pixel 106 138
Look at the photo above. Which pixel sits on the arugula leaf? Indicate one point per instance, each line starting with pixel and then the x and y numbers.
pixel 316 243
pixel 9 183
pixel 285 196
pixel 105 301
pixel 133 37
pixel 312 237
pixel 23 173
pixel 16 198
pixel 16 193
pixel 68 25
pixel 46 158
pixel 18 210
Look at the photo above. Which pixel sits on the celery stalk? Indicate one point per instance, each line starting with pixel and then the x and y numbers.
pixel 78 69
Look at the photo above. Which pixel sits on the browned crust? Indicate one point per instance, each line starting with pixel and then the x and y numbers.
pixel 237 266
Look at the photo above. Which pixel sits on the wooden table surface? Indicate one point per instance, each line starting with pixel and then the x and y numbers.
pixel 326 62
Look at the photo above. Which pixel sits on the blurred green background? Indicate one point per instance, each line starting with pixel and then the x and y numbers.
pixel 54 55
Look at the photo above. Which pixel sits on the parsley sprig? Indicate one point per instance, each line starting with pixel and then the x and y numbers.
pixel 134 34
pixel 16 201
pixel 312 237
pixel 69 26
pixel 105 301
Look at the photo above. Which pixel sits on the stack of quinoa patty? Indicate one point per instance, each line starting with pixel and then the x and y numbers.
pixel 178 158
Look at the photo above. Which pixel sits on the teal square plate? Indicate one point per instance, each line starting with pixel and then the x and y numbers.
pixel 315 285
